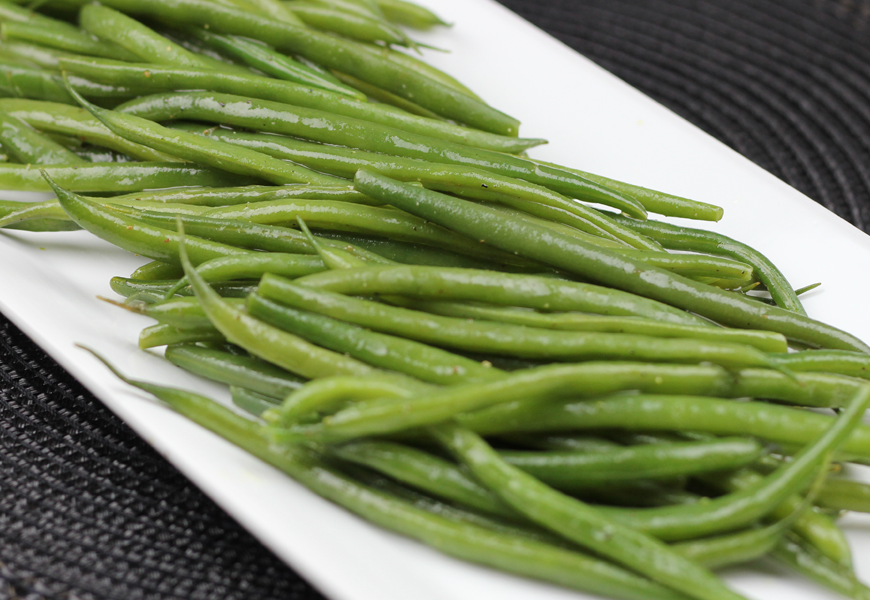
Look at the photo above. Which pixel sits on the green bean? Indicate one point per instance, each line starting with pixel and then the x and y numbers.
pixel 47 58
pixel 572 470
pixel 19 23
pixel 44 225
pixel 202 150
pixel 580 523
pixel 696 240
pixel 112 177
pixel 831 361
pixel 801 557
pixel 297 121
pixel 502 338
pixel 351 217
pixel 34 83
pixel 654 201
pixel 273 63
pixel 167 335
pixel 649 412
pixel 602 265
pixel 389 352
pixel 51 117
pixel 157 270
pixel 354 26
pixel 744 506
pixel 380 96
pixel 842 494
pixel 264 341
pixel 244 371
pixel 763 340
pixel 271 8
pixel 101 155
pixel 468 182
pixel 251 402
pixel 330 393
pixel 466 541
pixel 143 42
pixel 424 471
pixel 530 291
pixel 136 287
pixel 407 13
pixel 816 528
pixel 133 235
pixel 179 312
pixel 256 265
pixel 252 235
pixel 29 147
pixel 240 195
pixel 418 65
pixel 413 254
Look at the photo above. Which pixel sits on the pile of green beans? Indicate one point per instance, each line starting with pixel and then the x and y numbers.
pixel 421 323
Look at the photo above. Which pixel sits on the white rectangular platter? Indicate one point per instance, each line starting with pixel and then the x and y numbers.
pixel 49 284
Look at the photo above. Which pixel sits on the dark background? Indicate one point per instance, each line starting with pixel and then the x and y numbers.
pixel 88 510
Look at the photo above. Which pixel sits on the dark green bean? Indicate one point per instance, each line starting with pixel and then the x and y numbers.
pixel 573 470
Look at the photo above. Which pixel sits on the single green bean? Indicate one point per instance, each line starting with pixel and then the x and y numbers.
pixel 410 14
pixel 763 340
pixel 801 557
pixel 112 177
pixel 155 290
pixel 354 26
pixel 244 371
pixel 649 412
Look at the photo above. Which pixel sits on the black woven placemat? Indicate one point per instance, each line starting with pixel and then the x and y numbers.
pixel 88 510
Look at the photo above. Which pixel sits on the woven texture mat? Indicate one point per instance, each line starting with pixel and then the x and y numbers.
pixel 88 510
